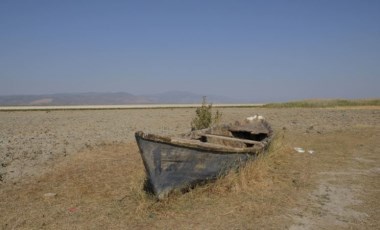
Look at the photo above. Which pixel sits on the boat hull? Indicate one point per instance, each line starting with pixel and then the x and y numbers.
pixel 174 167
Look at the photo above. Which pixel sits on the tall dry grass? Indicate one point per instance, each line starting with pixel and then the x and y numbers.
pixel 254 176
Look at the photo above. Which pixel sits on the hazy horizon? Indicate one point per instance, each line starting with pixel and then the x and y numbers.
pixel 248 50
pixel 238 100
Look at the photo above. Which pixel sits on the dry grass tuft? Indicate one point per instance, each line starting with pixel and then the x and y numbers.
pixel 255 176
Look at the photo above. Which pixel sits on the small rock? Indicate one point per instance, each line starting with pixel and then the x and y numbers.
pixel 299 150
pixel 72 209
pixel 50 194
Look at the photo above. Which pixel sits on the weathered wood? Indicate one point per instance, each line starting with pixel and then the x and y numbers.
pixel 211 147
pixel 176 163
pixel 234 139
pixel 216 140
pixel 171 167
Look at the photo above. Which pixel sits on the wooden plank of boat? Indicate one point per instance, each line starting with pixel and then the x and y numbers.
pixel 213 147
pixel 246 141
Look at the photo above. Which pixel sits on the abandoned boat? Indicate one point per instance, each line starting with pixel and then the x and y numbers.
pixel 182 161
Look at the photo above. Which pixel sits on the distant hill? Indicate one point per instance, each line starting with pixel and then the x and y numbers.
pixel 74 99
pixel 187 97
pixel 120 98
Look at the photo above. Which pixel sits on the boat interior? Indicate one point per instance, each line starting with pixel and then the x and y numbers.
pixel 231 136
pixel 238 137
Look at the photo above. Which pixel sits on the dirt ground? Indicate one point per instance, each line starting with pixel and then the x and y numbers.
pixel 82 170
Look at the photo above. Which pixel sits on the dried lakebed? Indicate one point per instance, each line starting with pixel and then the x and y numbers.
pixel 341 189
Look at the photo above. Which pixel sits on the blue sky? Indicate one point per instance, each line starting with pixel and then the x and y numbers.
pixel 252 50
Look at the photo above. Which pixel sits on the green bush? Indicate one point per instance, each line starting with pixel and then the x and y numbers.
pixel 204 118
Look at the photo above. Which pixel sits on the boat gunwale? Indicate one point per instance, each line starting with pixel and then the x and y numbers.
pixel 203 146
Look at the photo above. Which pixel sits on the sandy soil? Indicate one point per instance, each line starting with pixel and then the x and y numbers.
pixel 336 187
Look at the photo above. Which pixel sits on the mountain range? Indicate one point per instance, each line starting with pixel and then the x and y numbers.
pixel 119 98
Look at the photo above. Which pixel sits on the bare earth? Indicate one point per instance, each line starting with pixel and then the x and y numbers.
pixel 82 170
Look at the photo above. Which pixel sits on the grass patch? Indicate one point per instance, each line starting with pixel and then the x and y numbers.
pixel 103 188
pixel 324 103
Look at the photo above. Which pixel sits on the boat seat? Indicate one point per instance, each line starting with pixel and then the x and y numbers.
pixel 230 140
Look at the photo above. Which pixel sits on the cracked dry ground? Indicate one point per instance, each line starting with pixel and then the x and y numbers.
pixel 89 160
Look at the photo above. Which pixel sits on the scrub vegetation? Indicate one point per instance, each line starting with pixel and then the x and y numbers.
pixel 204 117
pixel 324 103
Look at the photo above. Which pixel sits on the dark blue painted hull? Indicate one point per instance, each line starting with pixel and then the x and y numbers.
pixel 175 167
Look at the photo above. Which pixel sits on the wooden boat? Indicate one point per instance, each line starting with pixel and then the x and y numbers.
pixel 180 162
